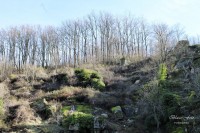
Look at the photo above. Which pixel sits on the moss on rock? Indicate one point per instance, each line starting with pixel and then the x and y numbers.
pixel 91 78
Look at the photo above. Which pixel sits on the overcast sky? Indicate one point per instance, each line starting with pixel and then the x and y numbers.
pixel 54 12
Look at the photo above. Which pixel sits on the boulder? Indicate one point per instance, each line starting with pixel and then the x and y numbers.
pixel 137 82
pixel 104 115
pixel 128 110
pixel 117 111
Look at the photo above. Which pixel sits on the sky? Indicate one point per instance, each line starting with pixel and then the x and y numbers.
pixel 54 12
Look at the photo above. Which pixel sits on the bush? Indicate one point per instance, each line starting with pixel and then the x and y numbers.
pixel 191 96
pixel 61 78
pixel 171 84
pixel 162 73
pixel 88 77
pixel 150 121
pixel 178 130
pixel 171 103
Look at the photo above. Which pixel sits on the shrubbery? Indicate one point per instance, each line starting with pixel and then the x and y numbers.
pixel 171 104
pixel 163 102
pixel 91 78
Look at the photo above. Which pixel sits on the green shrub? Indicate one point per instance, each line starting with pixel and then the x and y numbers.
pixel 95 75
pixel 88 77
pixel 84 120
pixel 150 121
pixel 61 78
pixel 191 96
pixel 171 103
pixel 162 73
pixel 178 130
pixel 170 84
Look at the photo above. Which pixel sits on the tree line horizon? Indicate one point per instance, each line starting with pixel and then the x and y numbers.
pixel 97 38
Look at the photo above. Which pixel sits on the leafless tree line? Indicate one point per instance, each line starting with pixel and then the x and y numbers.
pixel 97 38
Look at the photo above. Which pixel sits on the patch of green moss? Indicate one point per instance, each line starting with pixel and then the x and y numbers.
pixel 65 110
pixel 1 107
pixel 115 109
pixel 84 120
pixel 81 116
pixel 84 108
pixel 13 77
pixel 78 108
pixel 97 83
pixel 91 78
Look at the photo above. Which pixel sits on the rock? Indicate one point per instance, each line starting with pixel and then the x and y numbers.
pixel 117 110
pixel 129 110
pixel 127 101
pixel 134 78
pixel 136 110
pixel 137 82
pixel 74 127
pixel 130 122
pixel 113 127
pixel 192 71
pixel 104 115
pixel 96 123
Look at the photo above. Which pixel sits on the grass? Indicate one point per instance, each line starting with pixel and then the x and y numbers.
pixel 69 91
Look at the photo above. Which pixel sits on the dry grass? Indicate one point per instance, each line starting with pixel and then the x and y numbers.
pixel 38 94
pixel 22 92
pixel 65 70
pixel 4 91
pixel 25 115
pixel 33 72
pixel 71 92
pixel 13 101
pixel 5 70
pixel 146 68
pixel 21 82
pixel 106 100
